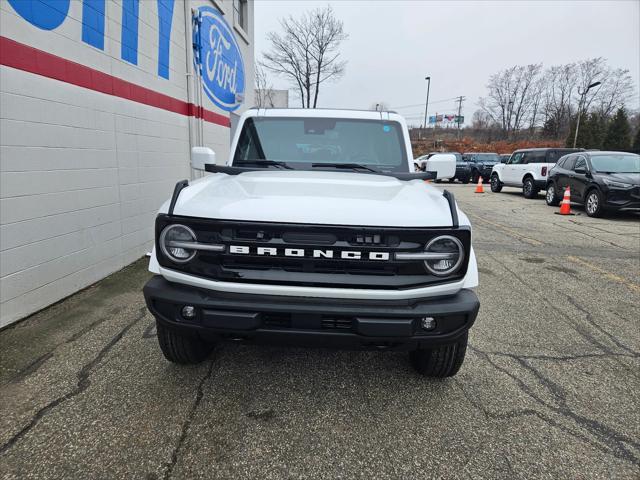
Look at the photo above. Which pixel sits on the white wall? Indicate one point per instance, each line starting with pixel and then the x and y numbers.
pixel 83 173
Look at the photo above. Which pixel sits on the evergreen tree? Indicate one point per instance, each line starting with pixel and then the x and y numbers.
pixel 635 148
pixel 619 133
pixel 597 126
pixel 584 133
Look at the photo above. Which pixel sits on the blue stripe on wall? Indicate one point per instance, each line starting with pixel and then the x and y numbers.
pixel 165 19
pixel 93 23
pixel 129 38
pixel 44 14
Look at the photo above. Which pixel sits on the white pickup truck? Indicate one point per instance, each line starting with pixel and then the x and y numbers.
pixel 315 232
pixel 527 169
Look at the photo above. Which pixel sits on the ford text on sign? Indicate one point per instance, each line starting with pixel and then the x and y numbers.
pixel 219 60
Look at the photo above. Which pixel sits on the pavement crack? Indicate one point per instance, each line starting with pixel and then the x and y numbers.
pixel 564 358
pixel 579 328
pixel 32 367
pixel 83 383
pixel 38 362
pixel 609 440
pixel 597 326
pixel 564 227
pixel 186 425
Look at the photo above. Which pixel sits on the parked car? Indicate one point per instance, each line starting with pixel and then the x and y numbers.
pixel 599 180
pixel 504 157
pixel 480 165
pixel 309 236
pixel 461 174
pixel 527 169
pixel 463 169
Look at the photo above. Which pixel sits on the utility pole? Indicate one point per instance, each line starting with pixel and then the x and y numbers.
pixel 426 106
pixel 460 100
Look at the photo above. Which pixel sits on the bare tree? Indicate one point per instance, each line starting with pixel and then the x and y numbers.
pixel 481 120
pixel 560 84
pixel 264 90
pixel 616 90
pixel 512 96
pixel 526 97
pixel 307 53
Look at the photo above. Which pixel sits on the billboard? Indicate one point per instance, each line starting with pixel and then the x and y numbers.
pixel 446 120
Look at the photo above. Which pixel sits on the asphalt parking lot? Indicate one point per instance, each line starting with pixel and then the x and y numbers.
pixel 550 387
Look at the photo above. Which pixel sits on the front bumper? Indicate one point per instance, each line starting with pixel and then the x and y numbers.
pixel 623 199
pixel 485 172
pixel 305 321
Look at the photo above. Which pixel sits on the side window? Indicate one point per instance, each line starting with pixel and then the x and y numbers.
pixel 561 162
pixel 536 157
pixel 569 162
pixel 516 158
pixel 581 162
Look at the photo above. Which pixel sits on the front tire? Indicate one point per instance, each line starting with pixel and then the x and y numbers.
pixel 442 361
pixel 180 348
pixel 552 198
pixel 593 203
pixel 496 185
pixel 475 176
pixel 529 189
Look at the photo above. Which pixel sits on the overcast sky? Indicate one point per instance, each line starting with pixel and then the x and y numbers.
pixel 393 45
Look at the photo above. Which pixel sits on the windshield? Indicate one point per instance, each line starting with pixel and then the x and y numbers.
pixel 487 157
pixel 616 163
pixel 301 142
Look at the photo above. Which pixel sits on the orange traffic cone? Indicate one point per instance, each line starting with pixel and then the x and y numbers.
pixel 479 188
pixel 565 206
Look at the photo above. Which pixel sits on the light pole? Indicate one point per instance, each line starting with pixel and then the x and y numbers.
pixel 428 79
pixel 580 104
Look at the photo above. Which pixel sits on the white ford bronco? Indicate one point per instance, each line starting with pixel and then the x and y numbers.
pixel 527 169
pixel 316 232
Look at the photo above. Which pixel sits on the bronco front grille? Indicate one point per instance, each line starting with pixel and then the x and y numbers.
pixel 299 254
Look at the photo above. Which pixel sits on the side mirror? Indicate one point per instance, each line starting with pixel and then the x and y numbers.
pixel 581 171
pixel 442 164
pixel 201 156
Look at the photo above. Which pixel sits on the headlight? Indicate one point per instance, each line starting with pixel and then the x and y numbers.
pixel 171 239
pixel 447 255
pixel 615 184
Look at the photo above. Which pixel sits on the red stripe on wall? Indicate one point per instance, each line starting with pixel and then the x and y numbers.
pixel 23 57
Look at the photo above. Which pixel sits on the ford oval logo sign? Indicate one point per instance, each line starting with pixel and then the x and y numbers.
pixel 219 60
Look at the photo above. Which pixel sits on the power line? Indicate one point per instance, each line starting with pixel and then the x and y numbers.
pixel 430 102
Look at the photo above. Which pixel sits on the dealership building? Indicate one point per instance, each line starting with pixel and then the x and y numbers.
pixel 101 102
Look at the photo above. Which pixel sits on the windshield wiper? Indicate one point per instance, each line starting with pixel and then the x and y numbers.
pixel 352 166
pixel 265 163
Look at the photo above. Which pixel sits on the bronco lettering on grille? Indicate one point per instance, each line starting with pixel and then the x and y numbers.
pixel 309 253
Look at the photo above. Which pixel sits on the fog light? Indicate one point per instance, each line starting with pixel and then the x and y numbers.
pixel 189 312
pixel 428 323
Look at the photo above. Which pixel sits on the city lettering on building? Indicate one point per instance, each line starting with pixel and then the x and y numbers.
pixel 50 14
pixel 218 59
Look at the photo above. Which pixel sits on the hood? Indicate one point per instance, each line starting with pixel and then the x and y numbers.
pixel 331 198
pixel 632 178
